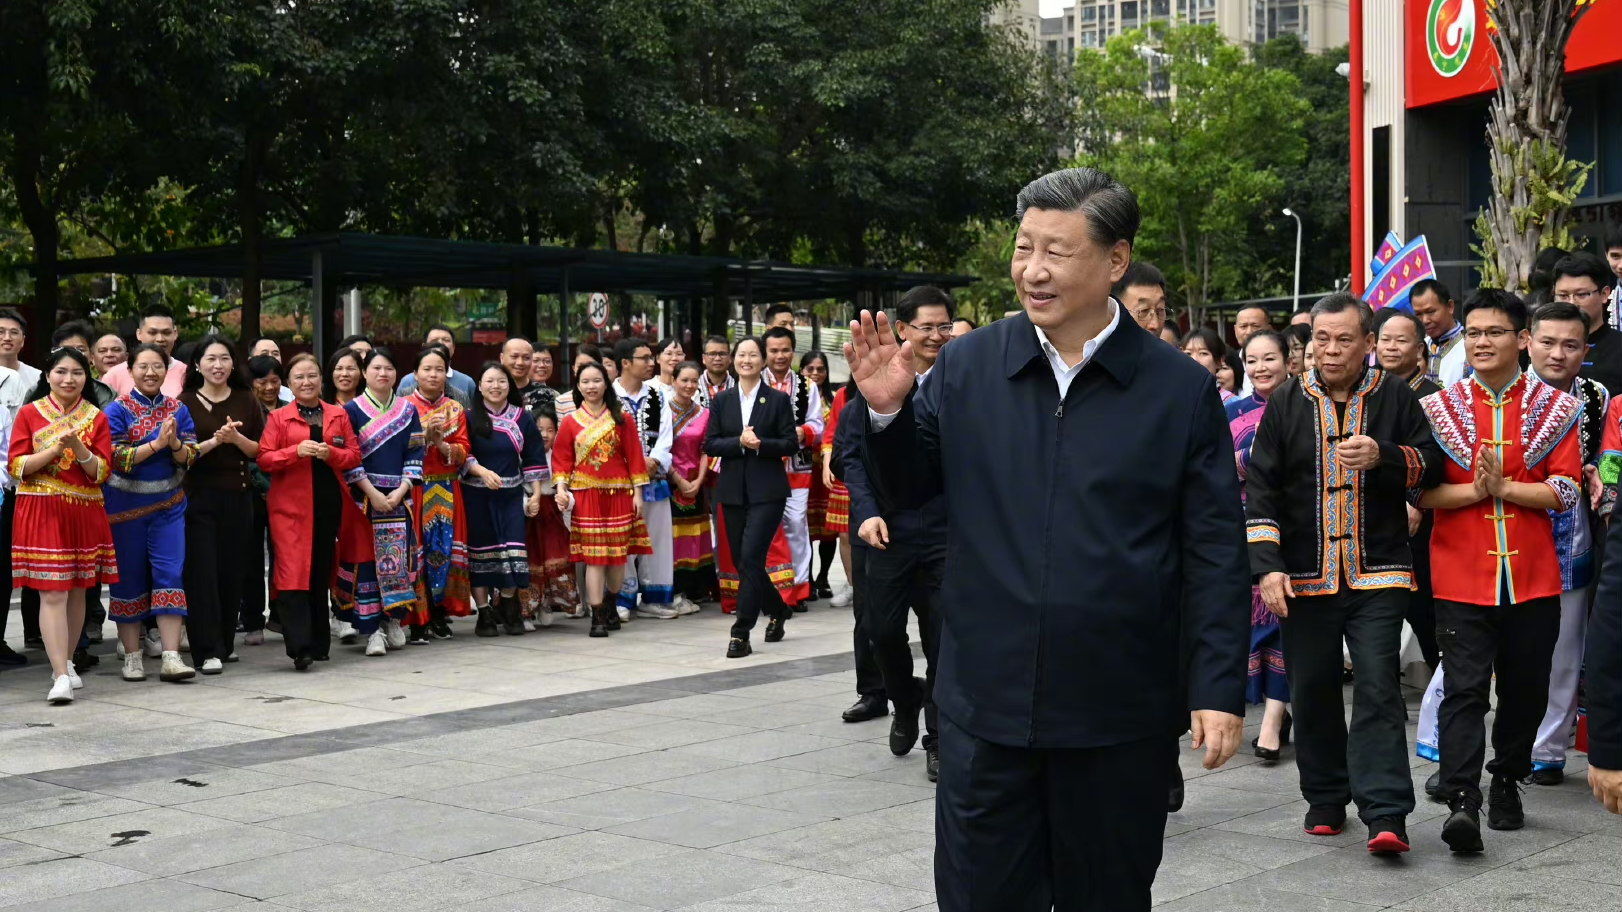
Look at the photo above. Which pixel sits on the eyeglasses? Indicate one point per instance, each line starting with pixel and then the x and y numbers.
pixel 644 358
pixel 1495 333
pixel 1572 297
pixel 938 329
pixel 1146 313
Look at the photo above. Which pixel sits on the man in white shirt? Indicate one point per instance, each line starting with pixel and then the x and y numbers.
pixel 808 422
pixel 651 575
pixel 13 339
pixel 17 382
pixel 1433 304
pixel 157 327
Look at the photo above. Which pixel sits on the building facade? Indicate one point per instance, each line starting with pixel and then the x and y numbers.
pixel 1026 18
pixel 1089 24
pixel 1428 78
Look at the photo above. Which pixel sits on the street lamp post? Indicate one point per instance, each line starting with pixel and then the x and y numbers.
pixel 1295 305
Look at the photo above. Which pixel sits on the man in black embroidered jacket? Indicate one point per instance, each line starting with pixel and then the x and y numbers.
pixel 1335 457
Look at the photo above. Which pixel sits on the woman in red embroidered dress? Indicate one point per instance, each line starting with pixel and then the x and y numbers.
pixel 61 543
pixel 441 513
pixel 838 518
pixel 599 471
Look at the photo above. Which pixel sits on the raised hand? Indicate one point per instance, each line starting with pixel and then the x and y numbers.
pixel 435 430
pixel 169 433
pixel 882 368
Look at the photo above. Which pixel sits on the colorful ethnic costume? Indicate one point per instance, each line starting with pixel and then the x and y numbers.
pixel 146 505
pixel 551 573
pixel 497 556
pixel 314 523
pixel 837 521
pixel 391 453
pixel 600 459
pixel 652 576
pixel 60 538
pixel 818 503
pixel 441 508
pixel 1496 571
pixel 808 424
pixel 693 542
pixel 1341 535
pixel 1266 678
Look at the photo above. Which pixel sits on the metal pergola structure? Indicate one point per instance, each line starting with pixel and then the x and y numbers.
pixel 330 262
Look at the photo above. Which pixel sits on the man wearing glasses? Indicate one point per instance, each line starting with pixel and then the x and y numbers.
pixel 717 369
pixel 1583 279
pixel 650 575
pixel 1142 291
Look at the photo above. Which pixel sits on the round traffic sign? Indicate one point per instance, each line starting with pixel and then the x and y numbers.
pixel 597 310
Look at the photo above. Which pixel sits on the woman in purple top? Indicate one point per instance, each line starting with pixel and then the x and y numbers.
pixel 1267 364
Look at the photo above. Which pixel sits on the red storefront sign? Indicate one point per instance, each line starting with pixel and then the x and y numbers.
pixel 1450 55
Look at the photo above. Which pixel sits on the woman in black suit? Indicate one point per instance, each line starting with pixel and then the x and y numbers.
pixel 752 430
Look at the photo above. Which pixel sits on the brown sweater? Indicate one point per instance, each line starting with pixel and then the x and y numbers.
pixel 226 468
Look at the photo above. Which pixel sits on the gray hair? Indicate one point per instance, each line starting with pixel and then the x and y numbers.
pixel 1111 209
pixel 1340 302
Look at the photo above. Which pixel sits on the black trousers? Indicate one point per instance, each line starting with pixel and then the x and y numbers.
pixel 1422 612
pixel 869 679
pixel 1517 642
pixel 750 528
pixel 901 576
pixel 303 613
pixel 252 615
pixel 1370 767
pixel 1028 830
pixel 217 527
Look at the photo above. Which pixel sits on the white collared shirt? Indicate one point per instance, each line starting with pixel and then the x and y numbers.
pixel 746 401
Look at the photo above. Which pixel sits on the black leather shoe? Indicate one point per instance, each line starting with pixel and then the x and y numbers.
pixel 774 630
pixel 487 625
pixel 302 663
pixel 932 764
pixel 1175 793
pixel 9 656
pixel 737 649
pixel 802 606
pixel 1433 786
pixel 823 591
pixel 904 730
pixel 1504 811
pixel 866 709
pixel 611 615
pixel 1462 831
pixel 83 659
pixel 1548 776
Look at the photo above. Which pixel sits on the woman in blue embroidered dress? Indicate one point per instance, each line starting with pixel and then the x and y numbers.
pixel 507 458
pixel 1267 363
pixel 381 597
pixel 153 444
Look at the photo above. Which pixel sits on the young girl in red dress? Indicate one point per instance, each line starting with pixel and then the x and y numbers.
pixel 599 472
pixel 61 543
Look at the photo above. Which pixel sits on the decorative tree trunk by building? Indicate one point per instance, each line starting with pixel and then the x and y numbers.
pixel 1533 182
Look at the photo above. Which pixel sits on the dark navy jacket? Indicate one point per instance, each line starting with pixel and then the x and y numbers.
pixel 1096 562
pixel 1603 662
pixel 921 527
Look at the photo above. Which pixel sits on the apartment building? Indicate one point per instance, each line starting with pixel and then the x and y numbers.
pixel 1089 24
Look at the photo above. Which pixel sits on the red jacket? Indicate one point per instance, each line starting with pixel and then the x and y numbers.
pixel 292 492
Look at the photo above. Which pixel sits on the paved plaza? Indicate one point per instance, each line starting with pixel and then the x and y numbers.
pixel 555 772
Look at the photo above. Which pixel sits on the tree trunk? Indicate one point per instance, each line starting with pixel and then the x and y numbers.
pixel 41 221
pixel 1526 133
pixel 250 212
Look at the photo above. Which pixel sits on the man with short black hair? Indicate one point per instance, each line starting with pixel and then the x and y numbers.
pixel 651 575
pixel 808 424
pixel 1613 258
pixel 156 327
pixel 459 385
pixel 717 377
pixel 1583 279
pixel 17 382
pixel 962 326
pixel 1142 291
pixel 779 315
pixel 1433 304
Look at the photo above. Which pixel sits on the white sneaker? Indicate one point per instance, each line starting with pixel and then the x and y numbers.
pixel 624 614
pixel 61 691
pixel 529 626
pixel 546 617
pixel 346 633
pixel 334 626
pixel 174 669
pixel 119 645
pixel 377 644
pixel 152 643
pixel 843 598
pixel 73 677
pixel 685 605
pixel 134 670
pixel 394 635
pixel 212 666
pixel 185 639
pixel 662 612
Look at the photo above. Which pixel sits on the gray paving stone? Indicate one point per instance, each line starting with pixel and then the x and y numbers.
pixel 640 769
pixel 470 745
pixel 698 706
pixel 1284 822
pixel 14 853
pixel 734 783
pixel 82 836
pixel 64 807
pixel 1260 852
pixel 60 878
pixel 459 838
pixel 426 889
pixel 582 724
pixel 918 816
pixel 18 789
pixel 559 754
pixel 441 773
pixel 1516 891
pixel 832 846
pixel 840 730
pixel 612 808
pixel 846 798
pixel 257 807
pixel 675 881
pixel 913 869
pixel 1245 896
pixel 1596 858
pixel 568 856
pixel 147 896
pixel 853 759
pixel 773 715
pixel 549 899
pixel 1184 871
pixel 255 753
pixel 218 782
pixel 386 816
pixel 1503 846
pixel 673 733
pixel 1353 875
pixel 352 768
pixel 823 892
pixel 301 871
pixel 1206 805
pixel 181 854
pixel 716 825
pixel 759 746
pixel 521 790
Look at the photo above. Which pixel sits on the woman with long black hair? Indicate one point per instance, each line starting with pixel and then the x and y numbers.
pixel 505 458
pixel 814 368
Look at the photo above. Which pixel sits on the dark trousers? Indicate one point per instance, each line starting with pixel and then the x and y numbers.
pixel 217 526
pixel 254 567
pixel 1028 830
pixel 1422 613
pixel 750 528
pixel 1371 767
pixel 1517 642
pixel 901 576
pixel 869 679
pixel 303 613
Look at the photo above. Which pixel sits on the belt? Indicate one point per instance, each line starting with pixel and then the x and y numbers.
pixel 136 486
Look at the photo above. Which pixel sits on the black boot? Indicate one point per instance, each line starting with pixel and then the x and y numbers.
pixel 487 625
pixel 611 614
pixel 599 622
pixel 512 616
